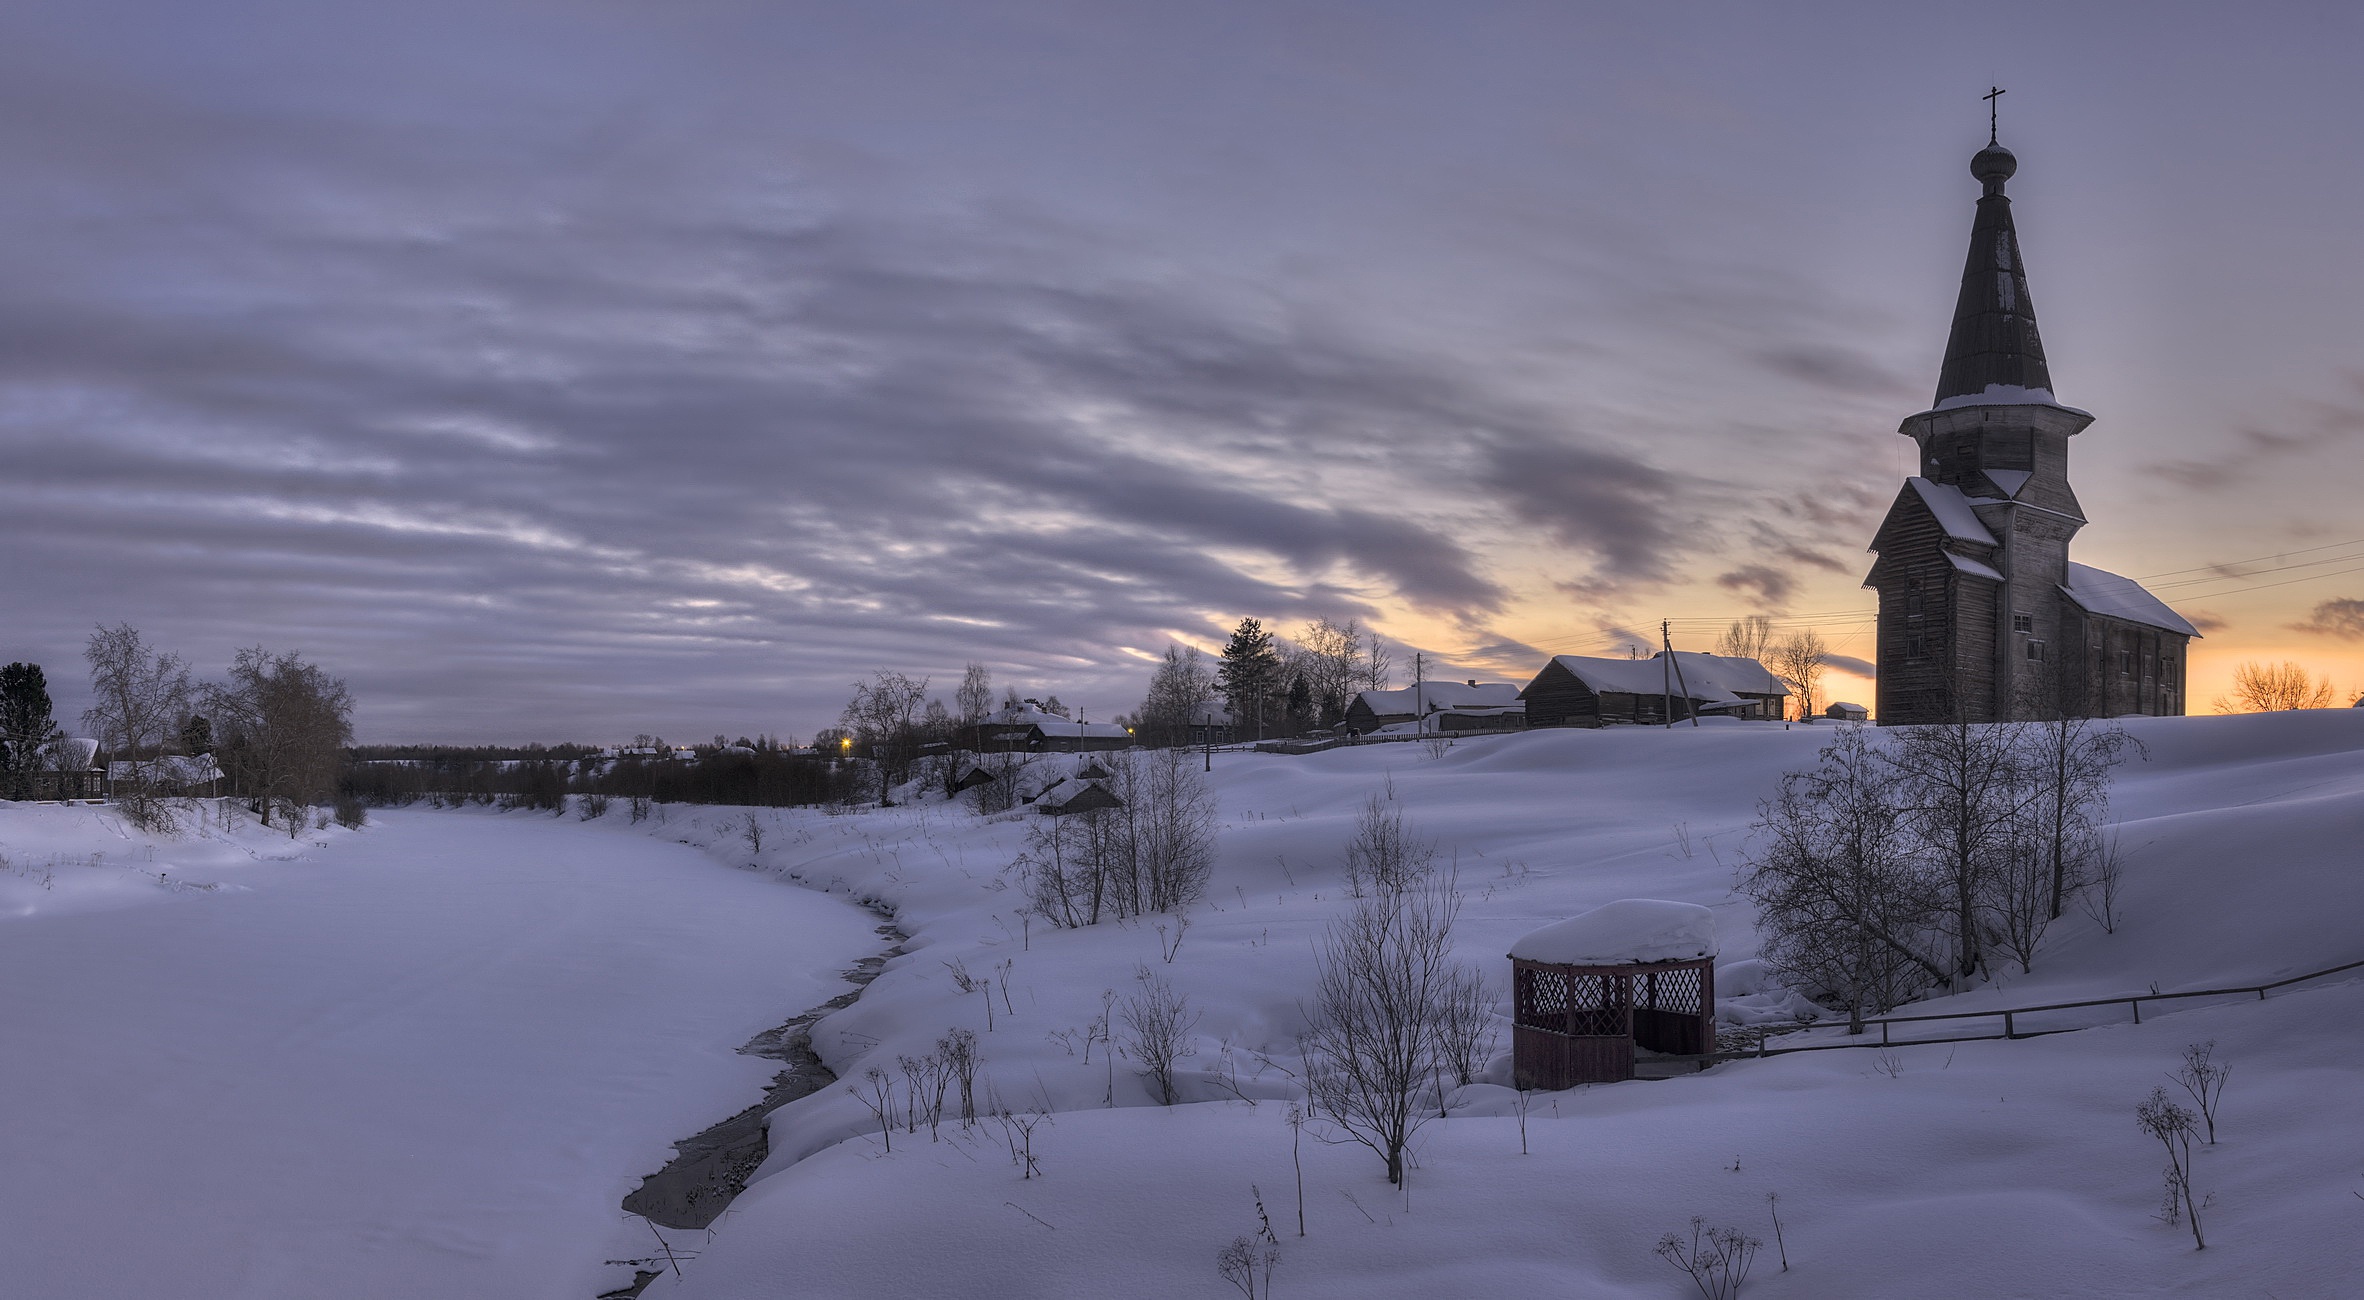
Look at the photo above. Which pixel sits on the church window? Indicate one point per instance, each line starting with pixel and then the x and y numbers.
pixel 1916 646
pixel 2035 649
pixel 2125 663
pixel 2022 623
pixel 1912 604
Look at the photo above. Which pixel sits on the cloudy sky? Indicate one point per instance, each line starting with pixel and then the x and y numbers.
pixel 572 369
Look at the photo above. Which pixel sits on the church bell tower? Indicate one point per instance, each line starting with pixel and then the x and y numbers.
pixel 1982 615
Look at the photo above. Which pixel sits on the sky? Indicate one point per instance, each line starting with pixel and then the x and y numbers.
pixel 575 370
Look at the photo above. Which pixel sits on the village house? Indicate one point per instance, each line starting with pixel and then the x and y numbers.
pixel 1445 706
pixel 1578 691
pixel 1026 728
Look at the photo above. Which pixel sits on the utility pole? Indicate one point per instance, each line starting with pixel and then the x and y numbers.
pixel 1666 684
pixel 1668 641
pixel 1420 692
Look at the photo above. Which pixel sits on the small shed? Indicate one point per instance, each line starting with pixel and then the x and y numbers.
pixel 1846 712
pixel 1590 990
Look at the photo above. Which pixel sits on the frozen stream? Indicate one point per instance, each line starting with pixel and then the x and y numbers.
pixel 429 1059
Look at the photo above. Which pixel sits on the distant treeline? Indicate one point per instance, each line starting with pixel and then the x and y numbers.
pixel 470 753
pixel 445 774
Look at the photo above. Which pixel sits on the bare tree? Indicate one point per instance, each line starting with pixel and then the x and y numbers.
pixel 1846 908
pixel 1383 1005
pixel 974 699
pixel 141 695
pixel 1961 792
pixel 1747 638
pixel 2273 688
pixel 1385 856
pixel 884 717
pixel 1151 853
pixel 1158 1022
pixel 1179 690
pixel 2072 762
pixel 1798 661
pixel 1174 828
pixel 284 725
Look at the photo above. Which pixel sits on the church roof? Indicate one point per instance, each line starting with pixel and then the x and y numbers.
pixel 1994 356
pixel 2107 594
pixel 1952 508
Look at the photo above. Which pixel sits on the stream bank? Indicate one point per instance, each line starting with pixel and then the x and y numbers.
pixel 711 1168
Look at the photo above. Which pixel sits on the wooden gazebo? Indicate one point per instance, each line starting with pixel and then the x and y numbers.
pixel 1590 989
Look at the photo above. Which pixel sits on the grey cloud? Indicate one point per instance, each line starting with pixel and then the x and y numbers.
pixel 1774 585
pixel 2342 618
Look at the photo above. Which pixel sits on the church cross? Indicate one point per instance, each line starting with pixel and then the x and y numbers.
pixel 1992 96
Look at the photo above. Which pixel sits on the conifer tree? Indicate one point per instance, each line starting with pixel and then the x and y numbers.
pixel 1250 671
pixel 26 727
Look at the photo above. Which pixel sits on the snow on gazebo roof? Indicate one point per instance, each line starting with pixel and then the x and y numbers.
pixel 1629 930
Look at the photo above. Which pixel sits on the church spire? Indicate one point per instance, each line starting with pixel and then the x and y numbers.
pixel 1994 338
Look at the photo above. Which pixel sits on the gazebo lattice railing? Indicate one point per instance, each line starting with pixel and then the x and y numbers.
pixel 1581 1024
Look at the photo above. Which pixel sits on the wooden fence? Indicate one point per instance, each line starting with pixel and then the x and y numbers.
pixel 2010 1017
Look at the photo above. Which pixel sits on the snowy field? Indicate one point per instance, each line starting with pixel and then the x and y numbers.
pixel 1983 1169
pixel 428 1059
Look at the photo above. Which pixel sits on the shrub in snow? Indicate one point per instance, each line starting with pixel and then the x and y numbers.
pixel 1385 856
pixel 350 814
pixel 2173 1126
pixel 1716 1259
pixel 2203 1078
pixel 1247 1263
pixel 1157 1023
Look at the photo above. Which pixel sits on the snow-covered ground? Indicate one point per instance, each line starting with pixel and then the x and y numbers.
pixel 425 1059
pixel 430 1058
pixel 1988 1169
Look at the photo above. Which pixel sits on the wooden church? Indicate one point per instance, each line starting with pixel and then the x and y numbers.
pixel 1983 616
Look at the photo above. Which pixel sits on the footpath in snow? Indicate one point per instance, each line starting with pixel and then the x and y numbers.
pixel 426 1059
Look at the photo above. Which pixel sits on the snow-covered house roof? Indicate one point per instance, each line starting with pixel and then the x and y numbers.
pixel 1428 697
pixel 1953 511
pixel 71 754
pixel 2100 592
pixel 1051 724
pixel 1629 930
pixel 1711 679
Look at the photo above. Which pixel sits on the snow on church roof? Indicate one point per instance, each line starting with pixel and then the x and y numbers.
pixel 1953 511
pixel 1973 567
pixel 1628 930
pixel 2006 395
pixel 2107 594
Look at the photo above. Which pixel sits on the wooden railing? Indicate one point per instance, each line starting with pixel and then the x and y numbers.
pixel 2010 1017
